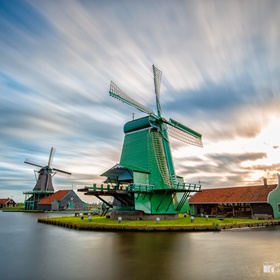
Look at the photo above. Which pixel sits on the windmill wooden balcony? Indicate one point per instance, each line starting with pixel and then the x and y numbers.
pixel 136 188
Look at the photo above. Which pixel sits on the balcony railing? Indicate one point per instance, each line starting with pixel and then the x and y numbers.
pixel 146 188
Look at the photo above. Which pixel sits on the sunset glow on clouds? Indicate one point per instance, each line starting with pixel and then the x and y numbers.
pixel 220 64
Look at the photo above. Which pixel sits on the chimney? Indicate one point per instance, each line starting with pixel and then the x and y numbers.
pixel 265 182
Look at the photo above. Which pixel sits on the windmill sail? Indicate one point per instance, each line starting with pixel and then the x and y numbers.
pixel 157 82
pixel 33 163
pixel 61 171
pixel 184 133
pixel 184 137
pixel 51 156
pixel 116 92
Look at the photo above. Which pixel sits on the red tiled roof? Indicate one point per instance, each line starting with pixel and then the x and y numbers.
pixel 4 200
pixel 233 195
pixel 56 196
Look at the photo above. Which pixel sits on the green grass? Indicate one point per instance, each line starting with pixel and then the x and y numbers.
pixel 18 208
pixel 181 221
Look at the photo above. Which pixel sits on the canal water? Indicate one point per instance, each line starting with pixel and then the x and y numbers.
pixel 31 250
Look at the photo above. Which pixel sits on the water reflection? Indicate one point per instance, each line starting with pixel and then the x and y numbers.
pixel 30 250
pixel 146 255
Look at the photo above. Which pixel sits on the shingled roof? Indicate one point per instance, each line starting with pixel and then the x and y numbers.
pixel 56 196
pixel 233 195
pixel 4 200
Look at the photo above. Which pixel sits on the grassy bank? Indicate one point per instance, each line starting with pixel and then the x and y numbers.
pixel 22 210
pixel 16 209
pixel 19 208
pixel 180 224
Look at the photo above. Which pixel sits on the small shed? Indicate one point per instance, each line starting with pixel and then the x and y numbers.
pixel 61 200
pixel 261 201
pixel 7 202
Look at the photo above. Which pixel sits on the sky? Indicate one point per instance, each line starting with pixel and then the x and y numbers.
pixel 221 68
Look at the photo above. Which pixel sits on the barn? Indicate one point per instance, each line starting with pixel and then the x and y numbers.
pixel 61 200
pixel 7 202
pixel 260 201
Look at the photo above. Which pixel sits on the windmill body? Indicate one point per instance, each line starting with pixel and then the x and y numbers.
pixel 44 182
pixel 152 187
pixel 143 154
pixel 44 186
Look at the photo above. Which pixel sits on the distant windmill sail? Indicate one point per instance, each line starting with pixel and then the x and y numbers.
pixel 51 156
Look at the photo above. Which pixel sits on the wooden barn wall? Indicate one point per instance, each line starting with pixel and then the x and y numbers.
pixel 77 202
pixel 261 208
pixel 44 207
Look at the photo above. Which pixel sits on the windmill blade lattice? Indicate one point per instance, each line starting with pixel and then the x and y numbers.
pixel 183 136
pixel 157 82
pixel 184 133
pixel 116 92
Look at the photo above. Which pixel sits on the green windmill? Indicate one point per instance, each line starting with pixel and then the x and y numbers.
pixel 144 182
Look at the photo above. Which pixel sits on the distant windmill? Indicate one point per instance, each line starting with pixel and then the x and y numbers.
pixel 44 182
pixel 44 185
pixel 146 167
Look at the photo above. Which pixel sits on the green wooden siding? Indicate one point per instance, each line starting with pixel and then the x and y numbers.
pixel 274 200
pixel 135 150
pixel 143 150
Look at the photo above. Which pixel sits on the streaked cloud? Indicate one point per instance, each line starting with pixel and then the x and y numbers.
pixel 220 77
